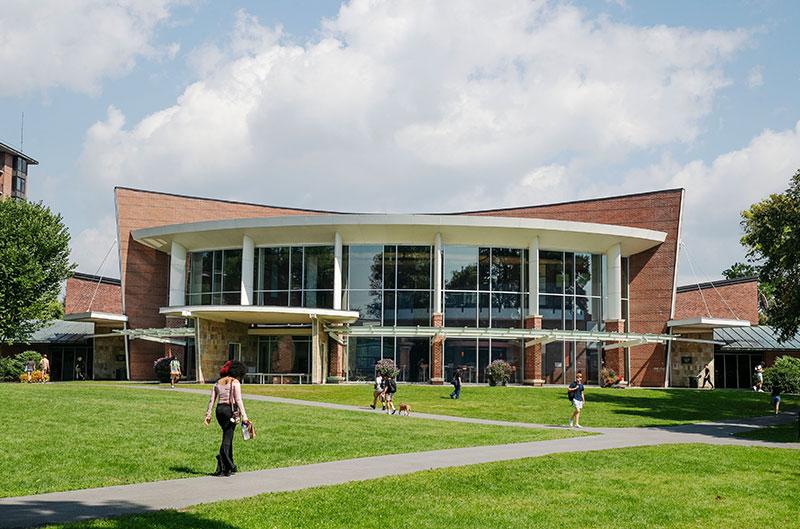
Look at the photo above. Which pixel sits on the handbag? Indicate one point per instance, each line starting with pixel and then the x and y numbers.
pixel 248 431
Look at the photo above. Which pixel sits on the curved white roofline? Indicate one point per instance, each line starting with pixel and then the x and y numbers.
pixel 261 313
pixel 401 228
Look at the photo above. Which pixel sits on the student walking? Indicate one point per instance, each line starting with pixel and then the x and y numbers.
pixel 174 371
pixel 456 385
pixel 391 389
pixel 577 397
pixel 30 367
pixel 45 367
pixel 759 376
pixel 79 369
pixel 378 391
pixel 227 393
pixel 706 374
pixel 776 399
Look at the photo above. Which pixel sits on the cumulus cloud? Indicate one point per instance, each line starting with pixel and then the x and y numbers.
pixel 76 44
pixel 94 248
pixel 717 193
pixel 754 77
pixel 402 105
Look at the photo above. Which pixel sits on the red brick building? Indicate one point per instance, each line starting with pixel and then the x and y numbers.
pixel 14 172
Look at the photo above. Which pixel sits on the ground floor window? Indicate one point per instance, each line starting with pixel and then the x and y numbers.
pixel 70 362
pixel 561 361
pixel 284 354
pixel 735 370
pixel 472 356
pixel 411 355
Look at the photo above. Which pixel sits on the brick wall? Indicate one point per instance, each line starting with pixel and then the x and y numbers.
pixel 80 291
pixel 5 179
pixel 738 301
pixel 145 271
pixel 651 272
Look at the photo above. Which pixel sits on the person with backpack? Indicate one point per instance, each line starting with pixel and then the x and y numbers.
pixel 378 391
pixel 456 385
pixel 391 389
pixel 577 398
pixel 174 371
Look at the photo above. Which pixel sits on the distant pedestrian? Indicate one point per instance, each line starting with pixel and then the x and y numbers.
pixel 227 393
pixel 776 398
pixel 174 371
pixel 391 389
pixel 706 374
pixel 456 385
pixel 79 369
pixel 45 367
pixel 578 398
pixel 378 389
pixel 30 367
pixel 759 376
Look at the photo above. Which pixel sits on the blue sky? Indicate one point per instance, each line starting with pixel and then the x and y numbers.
pixel 405 106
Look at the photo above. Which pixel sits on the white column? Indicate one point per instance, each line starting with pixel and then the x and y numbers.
pixel 248 260
pixel 437 274
pixel 614 282
pixel 337 272
pixel 177 275
pixel 533 277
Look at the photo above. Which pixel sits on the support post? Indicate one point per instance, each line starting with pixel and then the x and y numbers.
pixel 533 355
pixel 248 261
pixel 614 358
pixel 437 352
pixel 337 272
pixel 177 275
pixel 437 275
pixel 533 278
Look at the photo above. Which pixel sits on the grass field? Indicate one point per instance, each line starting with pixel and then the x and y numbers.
pixel 604 407
pixel 687 486
pixel 785 433
pixel 75 435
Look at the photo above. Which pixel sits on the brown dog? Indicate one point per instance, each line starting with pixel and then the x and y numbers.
pixel 405 408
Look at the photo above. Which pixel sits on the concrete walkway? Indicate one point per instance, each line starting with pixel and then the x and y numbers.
pixel 60 507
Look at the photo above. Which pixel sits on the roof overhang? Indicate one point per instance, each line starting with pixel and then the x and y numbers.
pixel 470 230
pixel 702 323
pixel 105 318
pixel 252 314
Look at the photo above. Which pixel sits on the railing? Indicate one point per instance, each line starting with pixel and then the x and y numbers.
pixel 262 377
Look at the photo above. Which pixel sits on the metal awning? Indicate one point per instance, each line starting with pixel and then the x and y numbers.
pixel 168 335
pixel 532 336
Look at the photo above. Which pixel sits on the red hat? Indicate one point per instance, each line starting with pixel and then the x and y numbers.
pixel 223 371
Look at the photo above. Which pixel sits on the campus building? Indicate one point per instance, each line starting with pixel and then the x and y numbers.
pixel 321 296
pixel 14 172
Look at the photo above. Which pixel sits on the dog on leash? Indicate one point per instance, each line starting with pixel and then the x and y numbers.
pixel 405 408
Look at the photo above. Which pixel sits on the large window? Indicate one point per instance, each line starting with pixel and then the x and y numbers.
pixel 294 276
pixel 284 354
pixel 19 177
pixel 215 277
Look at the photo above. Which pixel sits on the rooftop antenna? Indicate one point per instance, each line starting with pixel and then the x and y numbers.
pixel 22 133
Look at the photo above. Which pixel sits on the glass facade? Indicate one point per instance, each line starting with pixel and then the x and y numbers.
pixel 284 354
pixel 570 298
pixel 294 276
pixel 214 278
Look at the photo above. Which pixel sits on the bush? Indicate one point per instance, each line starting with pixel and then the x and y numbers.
pixel 387 368
pixel 499 372
pixel 785 374
pixel 36 377
pixel 10 368
pixel 161 368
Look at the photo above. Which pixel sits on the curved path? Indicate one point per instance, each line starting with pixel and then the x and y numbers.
pixel 60 507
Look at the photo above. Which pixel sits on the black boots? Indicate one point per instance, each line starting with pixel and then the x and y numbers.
pixel 222 471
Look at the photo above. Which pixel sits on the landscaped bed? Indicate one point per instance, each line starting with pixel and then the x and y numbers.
pixel 78 435
pixel 682 486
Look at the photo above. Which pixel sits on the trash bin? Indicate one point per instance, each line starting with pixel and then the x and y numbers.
pixel 693 382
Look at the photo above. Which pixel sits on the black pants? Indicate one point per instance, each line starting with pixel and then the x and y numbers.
pixel 224 416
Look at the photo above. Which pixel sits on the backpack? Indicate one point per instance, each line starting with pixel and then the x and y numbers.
pixel 571 393
pixel 392 386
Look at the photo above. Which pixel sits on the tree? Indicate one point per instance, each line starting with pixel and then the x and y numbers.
pixel 740 270
pixel 772 238
pixel 34 262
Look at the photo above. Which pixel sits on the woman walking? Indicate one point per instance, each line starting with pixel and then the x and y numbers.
pixel 227 392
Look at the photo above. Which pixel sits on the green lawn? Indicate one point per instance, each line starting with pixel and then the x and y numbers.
pixel 688 486
pixel 785 433
pixel 78 435
pixel 604 407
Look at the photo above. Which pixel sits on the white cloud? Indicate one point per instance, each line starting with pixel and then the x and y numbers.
pixel 76 44
pixel 94 249
pixel 717 193
pixel 754 77
pixel 400 105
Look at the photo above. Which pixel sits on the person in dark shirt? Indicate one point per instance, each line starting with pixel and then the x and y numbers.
pixel 776 398
pixel 706 374
pixel 578 398
pixel 456 385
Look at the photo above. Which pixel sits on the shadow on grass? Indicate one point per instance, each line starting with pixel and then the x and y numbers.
pixel 190 471
pixel 125 515
pixel 686 405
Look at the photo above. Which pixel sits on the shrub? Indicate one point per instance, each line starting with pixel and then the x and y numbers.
pixel 161 368
pixel 387 368
pixel 10 368
pixel 785 374
pixel 499 372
